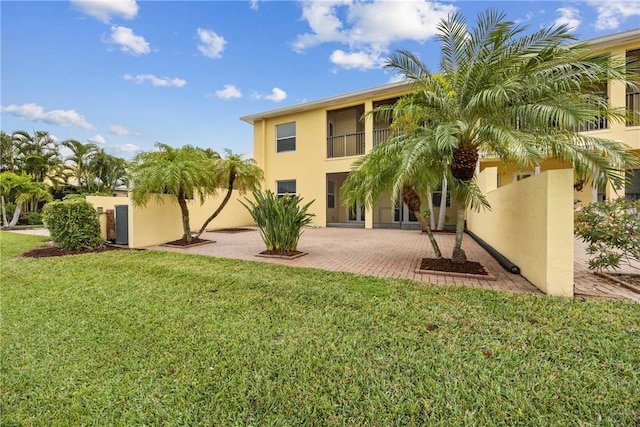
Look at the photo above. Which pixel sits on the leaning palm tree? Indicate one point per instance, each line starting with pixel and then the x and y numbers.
pixel 233 172
pixel 519 97
pixel 180 172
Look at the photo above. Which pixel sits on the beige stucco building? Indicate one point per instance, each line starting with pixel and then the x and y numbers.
pixel 310 148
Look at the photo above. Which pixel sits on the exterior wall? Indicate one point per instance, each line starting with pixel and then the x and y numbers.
pixel 160 222
pixel 531 223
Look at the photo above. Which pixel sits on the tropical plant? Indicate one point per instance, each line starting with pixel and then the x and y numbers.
pixel 519 97
pixel 36 154
pixel 79 160
pixel 237 173
pixel 180 172
pixel 22 189
pixel 107 171
pixel 612 232
pixel 73 224
pixel 279 219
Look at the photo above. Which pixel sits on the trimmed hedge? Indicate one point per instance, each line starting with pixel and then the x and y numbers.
pixel 73 224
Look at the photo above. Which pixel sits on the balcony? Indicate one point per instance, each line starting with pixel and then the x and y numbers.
pixel 633 107
pixel 380 136
pixel 351 144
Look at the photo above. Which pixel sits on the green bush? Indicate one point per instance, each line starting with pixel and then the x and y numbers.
pixel 280 219
pixel 73 224
pixel 34 218
pixel 9 208
pixel 612 232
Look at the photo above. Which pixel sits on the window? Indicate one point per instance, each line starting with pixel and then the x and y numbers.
pixel 285 187
pixel 519 176
pixel 331 194
pixel 286 137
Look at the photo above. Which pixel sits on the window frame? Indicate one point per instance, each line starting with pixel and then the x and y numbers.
pixel 284 138
pixel 282 181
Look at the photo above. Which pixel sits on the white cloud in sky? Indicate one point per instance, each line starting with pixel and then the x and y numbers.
pixel 156 81
pixel 366 27
pixel 611 13
pixel 98 139
pixel 35 112
pixel 276 95
pixel 569 16
pixel 253 4
pixel 359 60
pixel 103 10
pixel 121 130
pixel 211 44
pixel 128 41
pixel 125 148
pixel 228 92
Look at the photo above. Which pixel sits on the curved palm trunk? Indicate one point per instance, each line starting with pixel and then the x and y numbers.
pixel 443 204
pixel 5 222
pixel 217 211
pixel 184 210
pixel 413 202
pixel 16 216
pixel 458 255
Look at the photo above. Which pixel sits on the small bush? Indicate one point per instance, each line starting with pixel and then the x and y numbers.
pixel 280 219
pixel 34 218
pixel 73 224
pixel 612 231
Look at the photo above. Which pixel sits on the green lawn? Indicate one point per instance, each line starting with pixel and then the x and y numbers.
pixel 158 338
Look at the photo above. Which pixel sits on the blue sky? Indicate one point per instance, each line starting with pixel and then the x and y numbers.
pixel 125 74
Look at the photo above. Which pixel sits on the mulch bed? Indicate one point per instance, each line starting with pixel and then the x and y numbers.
pixel 54 251
pixel 445 266
pixel 232 230
pixel 182 243
pixel 281 254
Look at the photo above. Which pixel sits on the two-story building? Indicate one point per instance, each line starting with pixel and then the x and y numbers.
pixel 309 148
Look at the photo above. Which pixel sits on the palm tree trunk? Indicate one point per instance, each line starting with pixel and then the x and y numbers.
pixel 427 229
pixel 443 204
pixel 458 255
pixel 16 216
pixel 222 205
pixel 185 217
pixel 412 199
pixel 5 223
pixel 432 220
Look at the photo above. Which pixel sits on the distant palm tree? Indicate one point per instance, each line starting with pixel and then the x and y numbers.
pixel 79 160
pixel 107 171
pixel 36 154
pixel 233 172
pixel 519 97
pixel 180 172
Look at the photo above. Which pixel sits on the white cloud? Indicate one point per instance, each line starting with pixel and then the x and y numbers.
pixel 276 95
pixel 611 13
pixel 211 45
pixel 156 81
pixel 98 139
pixel 35 112
pixel 569 16
pixel 125 148
pixel 102 10
pixel 368 28
pixel 253 4
pixel 121 130
pixel 228 92
pixel 359 60
pixel 128 41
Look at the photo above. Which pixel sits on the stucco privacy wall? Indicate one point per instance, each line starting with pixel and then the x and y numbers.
pixel 531 223
pixel 160 222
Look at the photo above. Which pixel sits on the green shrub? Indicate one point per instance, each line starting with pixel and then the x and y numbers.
pixel 612 231
pixel 9 208
pixel 34 218
pixel 73 224
pixel 280 219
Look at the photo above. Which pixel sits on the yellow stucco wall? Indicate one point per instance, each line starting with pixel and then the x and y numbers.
pixel 531 223
pixel 157 223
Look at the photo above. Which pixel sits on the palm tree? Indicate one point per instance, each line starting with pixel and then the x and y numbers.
pixel 79 160
pixel 108 171
pixel 236 173
pixel 8 153
pixel 519 97
pixel 22 188
pixel 37 154
pixel 180 172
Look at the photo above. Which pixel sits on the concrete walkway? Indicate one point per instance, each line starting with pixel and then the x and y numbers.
pixel 395 253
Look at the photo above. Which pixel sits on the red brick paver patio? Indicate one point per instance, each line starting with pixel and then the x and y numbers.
pixel 395 253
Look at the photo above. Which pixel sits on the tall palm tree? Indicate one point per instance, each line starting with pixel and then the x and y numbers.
pixel 79 160
pixel 37 155
pixel 181 172
pixel 519 97
pixel 237 173
pixel 108 171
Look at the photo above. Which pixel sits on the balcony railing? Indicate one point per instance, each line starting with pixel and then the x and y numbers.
pixel 380 136
pixel 633 107
pixel 345 145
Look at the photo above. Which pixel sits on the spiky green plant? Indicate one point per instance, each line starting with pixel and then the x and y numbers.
pixel 280 219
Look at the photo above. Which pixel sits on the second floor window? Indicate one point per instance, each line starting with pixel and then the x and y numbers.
pixel 286 137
